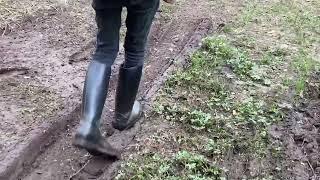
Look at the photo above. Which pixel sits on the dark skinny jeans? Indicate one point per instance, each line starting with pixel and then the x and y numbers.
pixel 140 14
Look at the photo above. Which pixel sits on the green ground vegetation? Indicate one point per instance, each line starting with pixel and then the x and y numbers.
pixel 221 106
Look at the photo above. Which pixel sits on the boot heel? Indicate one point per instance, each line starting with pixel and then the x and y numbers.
pixel 123 122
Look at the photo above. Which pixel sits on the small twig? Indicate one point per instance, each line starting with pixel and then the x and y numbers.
pixel 4 31
pixel 312 169
pixel 76 173
pixel 8 10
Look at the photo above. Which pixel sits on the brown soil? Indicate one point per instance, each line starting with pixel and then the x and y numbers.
pixel 299 134
pixel 45 62
pixel 42 68
pixel 37 83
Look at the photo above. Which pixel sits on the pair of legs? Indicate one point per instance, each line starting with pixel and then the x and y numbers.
pixel 127 111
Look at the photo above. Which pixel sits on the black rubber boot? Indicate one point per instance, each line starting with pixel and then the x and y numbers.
pixel 128 111
pixel 88 135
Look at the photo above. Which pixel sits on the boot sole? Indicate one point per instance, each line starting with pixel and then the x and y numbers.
pixel 93 149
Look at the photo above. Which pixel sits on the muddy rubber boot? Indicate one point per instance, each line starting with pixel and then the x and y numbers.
pixel 88 136
pixel 128 111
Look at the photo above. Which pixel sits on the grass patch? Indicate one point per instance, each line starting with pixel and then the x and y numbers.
pixel 304 65
pixel 12 12
pixel 222 105
pixel 293 25
pixel 183 165
pixel 208 109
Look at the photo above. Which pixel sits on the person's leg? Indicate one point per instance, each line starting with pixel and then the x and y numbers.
pixel 138 22
pixel 88 135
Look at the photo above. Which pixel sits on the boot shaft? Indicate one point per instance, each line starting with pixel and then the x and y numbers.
pixel 128 85
pixel 94 96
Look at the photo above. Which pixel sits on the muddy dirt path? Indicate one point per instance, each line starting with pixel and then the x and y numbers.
pixel 170 42
pixel 299 133
pixel 38 84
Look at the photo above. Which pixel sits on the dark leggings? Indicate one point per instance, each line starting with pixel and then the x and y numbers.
pixel 138 23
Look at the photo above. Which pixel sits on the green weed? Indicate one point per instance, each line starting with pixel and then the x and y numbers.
pixel 150 167
pixel 273 57
pixel 241 64
pixel 196 166
pixel 304 65
pixel 218 147
pixel 199 120
pixel 183 165
pixel 218 48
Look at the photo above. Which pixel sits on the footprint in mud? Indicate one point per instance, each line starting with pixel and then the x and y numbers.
pixel 93 168
pixel 96 166
pixel 84 53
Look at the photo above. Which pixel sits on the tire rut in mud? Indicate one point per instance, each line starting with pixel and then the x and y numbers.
pixel 62 161
pixel 301 140
pixel 300 136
